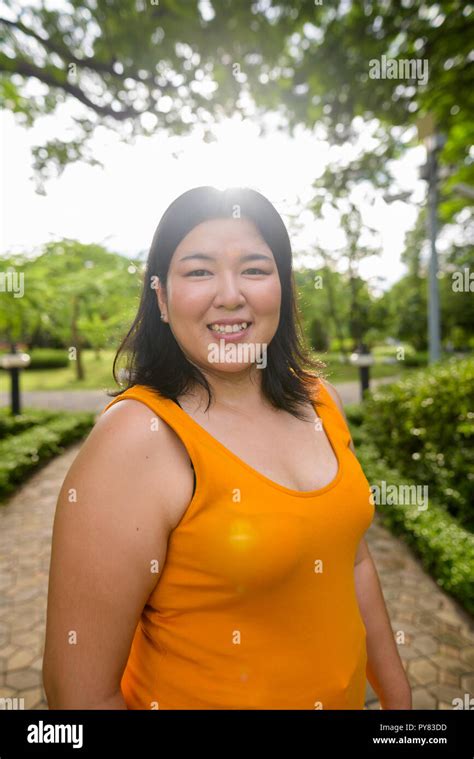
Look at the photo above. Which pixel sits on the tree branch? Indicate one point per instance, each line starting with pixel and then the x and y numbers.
pixel 25 68
pixel 89 62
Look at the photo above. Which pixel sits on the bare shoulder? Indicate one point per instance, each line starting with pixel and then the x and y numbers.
pixel 337 399
pixel 133 433
pixel 142 425
pixel 333 392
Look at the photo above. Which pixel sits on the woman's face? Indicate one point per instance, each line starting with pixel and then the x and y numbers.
pixel 222 271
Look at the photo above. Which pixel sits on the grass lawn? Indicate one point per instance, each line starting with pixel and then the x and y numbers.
pixel 337 372
pixel 98 375
pixel 98 371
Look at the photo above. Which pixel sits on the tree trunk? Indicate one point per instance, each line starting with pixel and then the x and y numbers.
pixel 76 339
pixel 332 308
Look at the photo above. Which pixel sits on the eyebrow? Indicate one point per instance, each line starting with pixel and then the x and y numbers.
pixel 245 257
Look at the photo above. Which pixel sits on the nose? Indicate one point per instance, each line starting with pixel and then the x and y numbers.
pixel 228 291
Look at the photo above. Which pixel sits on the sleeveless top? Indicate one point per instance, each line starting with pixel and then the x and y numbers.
pixel 255 606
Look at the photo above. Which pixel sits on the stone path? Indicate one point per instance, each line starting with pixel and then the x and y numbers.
pixel 61 400
pixel 438 647
pixel 95 400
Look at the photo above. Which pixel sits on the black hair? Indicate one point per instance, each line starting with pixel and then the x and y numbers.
pixel 154 357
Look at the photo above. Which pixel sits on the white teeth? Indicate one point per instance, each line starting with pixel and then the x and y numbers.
pixel 229 327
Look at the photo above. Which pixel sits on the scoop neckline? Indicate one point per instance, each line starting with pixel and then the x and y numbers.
pixel 289 491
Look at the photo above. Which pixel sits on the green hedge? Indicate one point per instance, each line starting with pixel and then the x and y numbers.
pixel 13 425
pixel 423 425
pixel 416 359
pixel 24 452
pixel 48 358
pixel 45 358
pixel 445 548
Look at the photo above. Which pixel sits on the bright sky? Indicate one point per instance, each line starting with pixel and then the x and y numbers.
pixel 121 205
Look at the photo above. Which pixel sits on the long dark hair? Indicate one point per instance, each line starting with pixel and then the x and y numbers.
pixel 154 357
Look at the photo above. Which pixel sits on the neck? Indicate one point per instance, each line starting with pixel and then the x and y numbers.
pixel 232 390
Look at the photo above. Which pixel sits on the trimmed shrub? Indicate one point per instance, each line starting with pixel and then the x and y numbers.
pixel 445 548
pixel 48 358
pixel 13 425
pixel 21 454
pixel 423 425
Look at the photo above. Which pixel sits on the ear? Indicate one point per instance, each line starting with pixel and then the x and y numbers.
pixel 160 295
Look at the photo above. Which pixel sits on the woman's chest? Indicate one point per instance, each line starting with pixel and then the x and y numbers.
pixel 293 453
pixel 246 535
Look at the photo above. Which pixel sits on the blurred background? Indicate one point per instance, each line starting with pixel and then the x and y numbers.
pixel 355 120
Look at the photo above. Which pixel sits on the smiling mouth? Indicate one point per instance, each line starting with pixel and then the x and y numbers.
pixel 230 329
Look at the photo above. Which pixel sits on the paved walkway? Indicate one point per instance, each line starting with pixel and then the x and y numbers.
pixel 61 400
pixel 438 647
pixel 95 400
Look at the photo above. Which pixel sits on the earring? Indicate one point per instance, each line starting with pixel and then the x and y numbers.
pixel 162 317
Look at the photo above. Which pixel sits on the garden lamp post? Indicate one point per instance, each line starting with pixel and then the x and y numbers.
pixel 364 360
pixel 13 362
pixel 434 142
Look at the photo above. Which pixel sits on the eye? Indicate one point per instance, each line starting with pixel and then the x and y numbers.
pixel 195 272
pixel 190 274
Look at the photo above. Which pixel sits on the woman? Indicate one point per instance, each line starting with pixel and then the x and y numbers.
pixel 208 545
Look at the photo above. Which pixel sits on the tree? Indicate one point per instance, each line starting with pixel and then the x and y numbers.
pixel 319 338
pixel 309 61
pixel 135 67
pixel 456 292
pixel 328 278
pixel 90 293
pixel 413 288
pixel 324 76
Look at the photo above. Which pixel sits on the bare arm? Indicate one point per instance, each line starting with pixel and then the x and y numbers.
pixel 112 521
pixel 385 670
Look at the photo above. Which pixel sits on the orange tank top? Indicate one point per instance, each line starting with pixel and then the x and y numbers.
pixel 256 606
